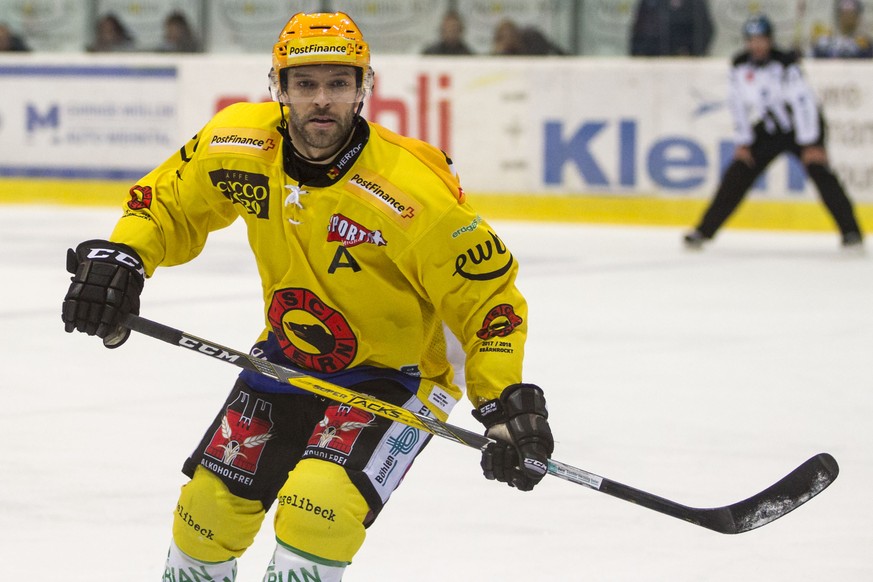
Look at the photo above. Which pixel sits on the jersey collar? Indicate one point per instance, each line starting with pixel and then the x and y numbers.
pixel 323 175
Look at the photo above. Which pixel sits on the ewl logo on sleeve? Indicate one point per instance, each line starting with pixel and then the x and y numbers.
pixel 248 141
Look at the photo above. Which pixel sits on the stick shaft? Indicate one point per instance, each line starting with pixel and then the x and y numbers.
pixel 793 490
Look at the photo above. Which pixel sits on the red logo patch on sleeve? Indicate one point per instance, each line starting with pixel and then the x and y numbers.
pixel 500 322
pixel 140 197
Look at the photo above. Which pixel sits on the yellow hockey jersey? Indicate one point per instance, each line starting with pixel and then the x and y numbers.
pixel 360 266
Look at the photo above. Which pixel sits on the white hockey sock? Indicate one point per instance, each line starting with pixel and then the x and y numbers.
pixel 181 568
pixel 292 565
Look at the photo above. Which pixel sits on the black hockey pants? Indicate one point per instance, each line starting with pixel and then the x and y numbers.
pixel 739 177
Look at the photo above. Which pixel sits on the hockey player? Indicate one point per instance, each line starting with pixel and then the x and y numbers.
pixel 365 246
pixel 775 112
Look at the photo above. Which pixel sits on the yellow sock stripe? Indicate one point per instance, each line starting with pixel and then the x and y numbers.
pixel 312 557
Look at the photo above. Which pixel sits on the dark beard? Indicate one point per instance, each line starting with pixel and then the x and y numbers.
pixel 332 140
pixel 319 174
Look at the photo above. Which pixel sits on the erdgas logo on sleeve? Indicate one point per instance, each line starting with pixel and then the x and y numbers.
pixel 469 227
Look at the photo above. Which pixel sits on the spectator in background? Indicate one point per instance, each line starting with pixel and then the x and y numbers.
pixel 451 40
pixel 847 41
pixel 507 38
pixel 179 37
pixel 513 40
pixel 11 42
pixel 671 28
pixel 111 36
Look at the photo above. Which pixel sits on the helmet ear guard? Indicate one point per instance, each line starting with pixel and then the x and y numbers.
pixel 367 81
pixel 273 84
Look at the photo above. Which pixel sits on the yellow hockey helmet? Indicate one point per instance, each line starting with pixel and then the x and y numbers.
pixel 321 39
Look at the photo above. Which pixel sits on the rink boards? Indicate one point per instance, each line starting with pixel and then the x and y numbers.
pixel 571 139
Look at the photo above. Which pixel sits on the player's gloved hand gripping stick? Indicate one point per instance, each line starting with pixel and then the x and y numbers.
pixel 789 493
pixel 518 423
pixel 107 281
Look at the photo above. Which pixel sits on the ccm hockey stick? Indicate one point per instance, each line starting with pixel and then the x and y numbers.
pixel 789 493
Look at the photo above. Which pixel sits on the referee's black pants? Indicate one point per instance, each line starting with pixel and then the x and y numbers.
pixel 739 177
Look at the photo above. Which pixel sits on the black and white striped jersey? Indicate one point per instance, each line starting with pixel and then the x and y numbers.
pixel 774 97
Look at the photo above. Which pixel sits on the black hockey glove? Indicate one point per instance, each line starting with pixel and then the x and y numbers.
pixel 518 422
pixel 106 284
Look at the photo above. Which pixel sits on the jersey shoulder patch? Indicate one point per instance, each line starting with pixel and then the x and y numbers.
pixel 246 129
pixel 379 192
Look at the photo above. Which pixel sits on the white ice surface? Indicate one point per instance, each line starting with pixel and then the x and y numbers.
pixel 701 377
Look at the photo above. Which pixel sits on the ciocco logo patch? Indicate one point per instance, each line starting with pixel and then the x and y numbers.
pixel 250 190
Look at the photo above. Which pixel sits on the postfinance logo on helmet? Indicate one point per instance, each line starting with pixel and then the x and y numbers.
pixel 321 39
pixel 322 49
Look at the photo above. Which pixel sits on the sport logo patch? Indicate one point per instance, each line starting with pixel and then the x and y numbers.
pixel 140 197
pixel 244 431
pixel 244 140
pixel 311 334
pixel 500 322
pixel 340 428
pixel 252 191
pixel 350 233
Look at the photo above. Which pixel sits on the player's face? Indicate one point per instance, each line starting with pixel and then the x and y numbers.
pixel 322 101
pixel 759 47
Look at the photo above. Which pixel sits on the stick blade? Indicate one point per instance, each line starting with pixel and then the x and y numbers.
pixel 781 498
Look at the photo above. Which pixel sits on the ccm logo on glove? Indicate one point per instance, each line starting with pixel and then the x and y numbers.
pixel 106 284
pixel 122 257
